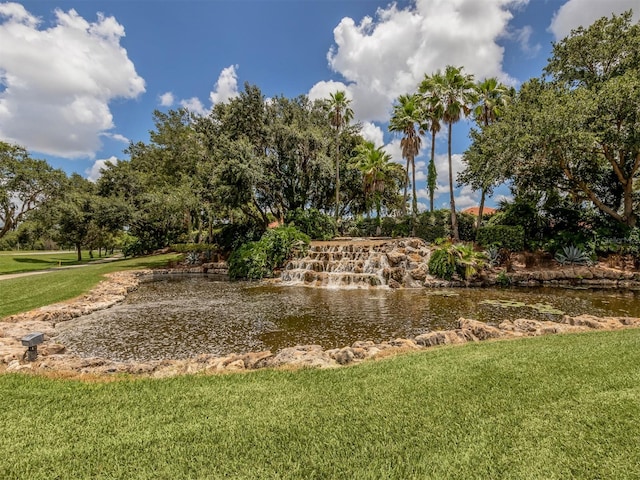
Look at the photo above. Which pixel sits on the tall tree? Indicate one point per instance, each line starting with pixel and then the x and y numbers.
pixel 340 114
pixel 493 98
pixel 25 184
pixel 406 115
pixel 578 132
pixel 380 173
pixel 432 111
pixel 456 93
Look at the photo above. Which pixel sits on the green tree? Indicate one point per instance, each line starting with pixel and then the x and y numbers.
pixel 433 113
pixel 578 132
pixel 340 114
pixel 493 99
pixel 73 212
pixel 455 92
pixel 406 115
pixel 25 185
pixel 380 173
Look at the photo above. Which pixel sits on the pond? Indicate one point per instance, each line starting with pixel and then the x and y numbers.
pixel 180 317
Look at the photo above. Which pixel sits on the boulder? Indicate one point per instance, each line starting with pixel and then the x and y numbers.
pixel 303 356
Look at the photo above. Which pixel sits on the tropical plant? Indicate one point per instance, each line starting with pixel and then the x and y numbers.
pixel 379 173
pixel 571 254
pixel 406 115
pixel 449 259
pixel 454 93
pixel 494 97
pixel 432 112
pixel 255 260
pixel 340 114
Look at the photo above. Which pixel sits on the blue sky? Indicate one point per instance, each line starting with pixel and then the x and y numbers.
pixel 79 79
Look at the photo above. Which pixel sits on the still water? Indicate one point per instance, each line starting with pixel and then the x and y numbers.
pixel 179 317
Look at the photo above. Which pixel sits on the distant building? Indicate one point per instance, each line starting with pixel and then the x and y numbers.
pixel 475 210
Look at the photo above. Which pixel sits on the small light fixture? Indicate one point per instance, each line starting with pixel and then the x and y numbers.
pixel 32 341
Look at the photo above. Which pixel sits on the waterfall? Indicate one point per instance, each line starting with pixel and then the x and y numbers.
pixel 359 264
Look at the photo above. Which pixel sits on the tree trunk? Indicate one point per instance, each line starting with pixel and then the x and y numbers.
pixel 79 250
pixel 480 211
pixel 433 155
pixel 337 173
pixel 406 188
pixel 414 202
pixel 454 218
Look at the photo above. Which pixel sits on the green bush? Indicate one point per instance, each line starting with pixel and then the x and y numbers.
pixel 194 247
pixel 450 259
pixel 255 260
pixel 132 246
pixel 503 236
pixel 313 223
pixel 442 264
pixel 231 236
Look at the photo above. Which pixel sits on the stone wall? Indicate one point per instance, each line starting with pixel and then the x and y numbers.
pixel 52 356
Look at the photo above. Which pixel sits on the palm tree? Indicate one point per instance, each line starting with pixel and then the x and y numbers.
pixel 493 98
pixel 432 112
pixel 340 114
pixel 455 92
pixel 378 170
pixel 406 114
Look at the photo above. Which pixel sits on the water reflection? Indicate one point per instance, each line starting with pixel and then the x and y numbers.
pixel 179 317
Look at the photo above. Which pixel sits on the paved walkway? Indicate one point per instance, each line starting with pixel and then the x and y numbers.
pixel 9 276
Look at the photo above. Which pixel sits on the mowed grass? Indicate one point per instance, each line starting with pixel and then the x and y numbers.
pixel 25 293
pixel 18 262
pixel 553 407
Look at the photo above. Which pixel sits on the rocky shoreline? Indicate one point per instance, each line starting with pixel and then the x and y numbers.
pixel 53 358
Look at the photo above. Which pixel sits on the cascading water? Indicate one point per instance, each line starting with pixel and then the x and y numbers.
pixel 343 265
pixel 359 264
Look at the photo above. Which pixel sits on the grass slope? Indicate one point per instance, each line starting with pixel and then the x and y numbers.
pixel 25 293
pixel 13 262
pixel 544 408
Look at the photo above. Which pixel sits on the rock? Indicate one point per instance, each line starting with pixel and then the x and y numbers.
pixel 303 356
pixel 257 359
pixel 235 365
pixel 396 257
pixel 480 330
pixel 394 283
pixel 404 343
pixel 51 349
pixel 431 339
pixel 344 356
pixel 16 366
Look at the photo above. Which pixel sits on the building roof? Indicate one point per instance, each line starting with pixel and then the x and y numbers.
pixel 476 210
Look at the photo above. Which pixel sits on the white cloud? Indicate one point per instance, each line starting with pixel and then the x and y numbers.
pixel 95 172
pixel 321 90
pixel 58 81
pixel 194 105
pixel 117 137
pixel 575 13
pixel 226 87
pixel 383 57
pixel 523 36
pixel 167 99
pixel 373 133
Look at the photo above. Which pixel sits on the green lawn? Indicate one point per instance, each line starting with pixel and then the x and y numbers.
pixel 18 262
pixel 25 293
pixel 553 407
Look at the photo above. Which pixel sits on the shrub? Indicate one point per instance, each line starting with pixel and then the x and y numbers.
pixel 442 264
pixel 132 246
pixel 313 223
pixel 573 255
pixel 503 236
pixel 231 236
pixel 449 259
pixel 255 260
